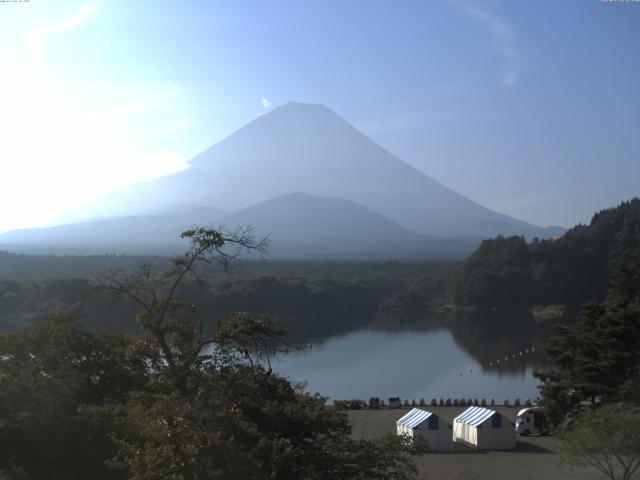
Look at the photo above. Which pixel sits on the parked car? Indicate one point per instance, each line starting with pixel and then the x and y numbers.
pixel 394 402
pixel 355 404
pixel 374 402
pixel 531 420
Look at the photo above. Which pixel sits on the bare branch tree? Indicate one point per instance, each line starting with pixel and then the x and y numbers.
pixel 169 320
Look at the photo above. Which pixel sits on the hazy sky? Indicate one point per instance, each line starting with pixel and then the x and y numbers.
pixel 531 108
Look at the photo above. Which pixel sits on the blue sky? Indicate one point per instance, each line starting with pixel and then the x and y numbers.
pixel 531 108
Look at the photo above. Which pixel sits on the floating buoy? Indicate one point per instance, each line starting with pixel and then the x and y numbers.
pixel 513 355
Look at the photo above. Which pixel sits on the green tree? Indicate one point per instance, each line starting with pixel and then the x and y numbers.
pixel 598 357
pixel 606 438
pixel 49 374
pixel 169 324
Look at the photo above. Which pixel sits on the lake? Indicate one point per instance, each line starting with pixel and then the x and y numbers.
pixel 467 355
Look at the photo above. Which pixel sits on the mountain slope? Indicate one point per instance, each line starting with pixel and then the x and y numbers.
pixel 302 218
pixel 299 226
pixel 308 148
pixel 113 235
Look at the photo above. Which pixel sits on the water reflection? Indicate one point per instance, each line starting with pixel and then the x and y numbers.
pixel 447 355
pixel 502 341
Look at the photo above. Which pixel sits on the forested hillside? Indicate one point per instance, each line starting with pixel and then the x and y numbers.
pixel 572 269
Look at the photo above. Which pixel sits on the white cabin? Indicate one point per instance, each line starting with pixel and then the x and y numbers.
pixel 429 426
pixel 484 429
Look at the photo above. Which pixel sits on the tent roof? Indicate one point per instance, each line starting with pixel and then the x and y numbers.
pixel 474 416
pixel 414 418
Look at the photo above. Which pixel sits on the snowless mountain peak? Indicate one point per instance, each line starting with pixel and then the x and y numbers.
pixel 304 147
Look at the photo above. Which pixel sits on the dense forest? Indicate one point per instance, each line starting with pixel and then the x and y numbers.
pixel 598 357
pixel 572 269
pixel 591 394
pixel 313 299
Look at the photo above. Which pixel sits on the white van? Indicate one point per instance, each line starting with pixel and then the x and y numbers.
pixel 531 420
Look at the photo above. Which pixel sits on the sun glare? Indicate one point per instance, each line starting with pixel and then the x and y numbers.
pixel 57 155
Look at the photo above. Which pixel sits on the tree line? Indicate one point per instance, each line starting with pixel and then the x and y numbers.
pixel 572 269
pixel 313 299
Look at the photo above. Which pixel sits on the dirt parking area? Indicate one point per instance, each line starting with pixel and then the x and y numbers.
pixel 534 458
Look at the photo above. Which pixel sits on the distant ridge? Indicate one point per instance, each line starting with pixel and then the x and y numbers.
pixel 140 230
pixel 298 225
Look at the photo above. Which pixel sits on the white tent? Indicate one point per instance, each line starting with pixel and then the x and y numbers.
pixel 429 426
pixel 484 429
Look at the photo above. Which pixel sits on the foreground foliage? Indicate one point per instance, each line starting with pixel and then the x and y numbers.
pixel 607 439
pixel 175 402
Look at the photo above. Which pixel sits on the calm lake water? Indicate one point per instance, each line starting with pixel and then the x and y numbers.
pixel 456 360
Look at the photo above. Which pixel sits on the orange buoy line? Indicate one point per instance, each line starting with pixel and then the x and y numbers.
pixel 502 361
pixel 526 351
